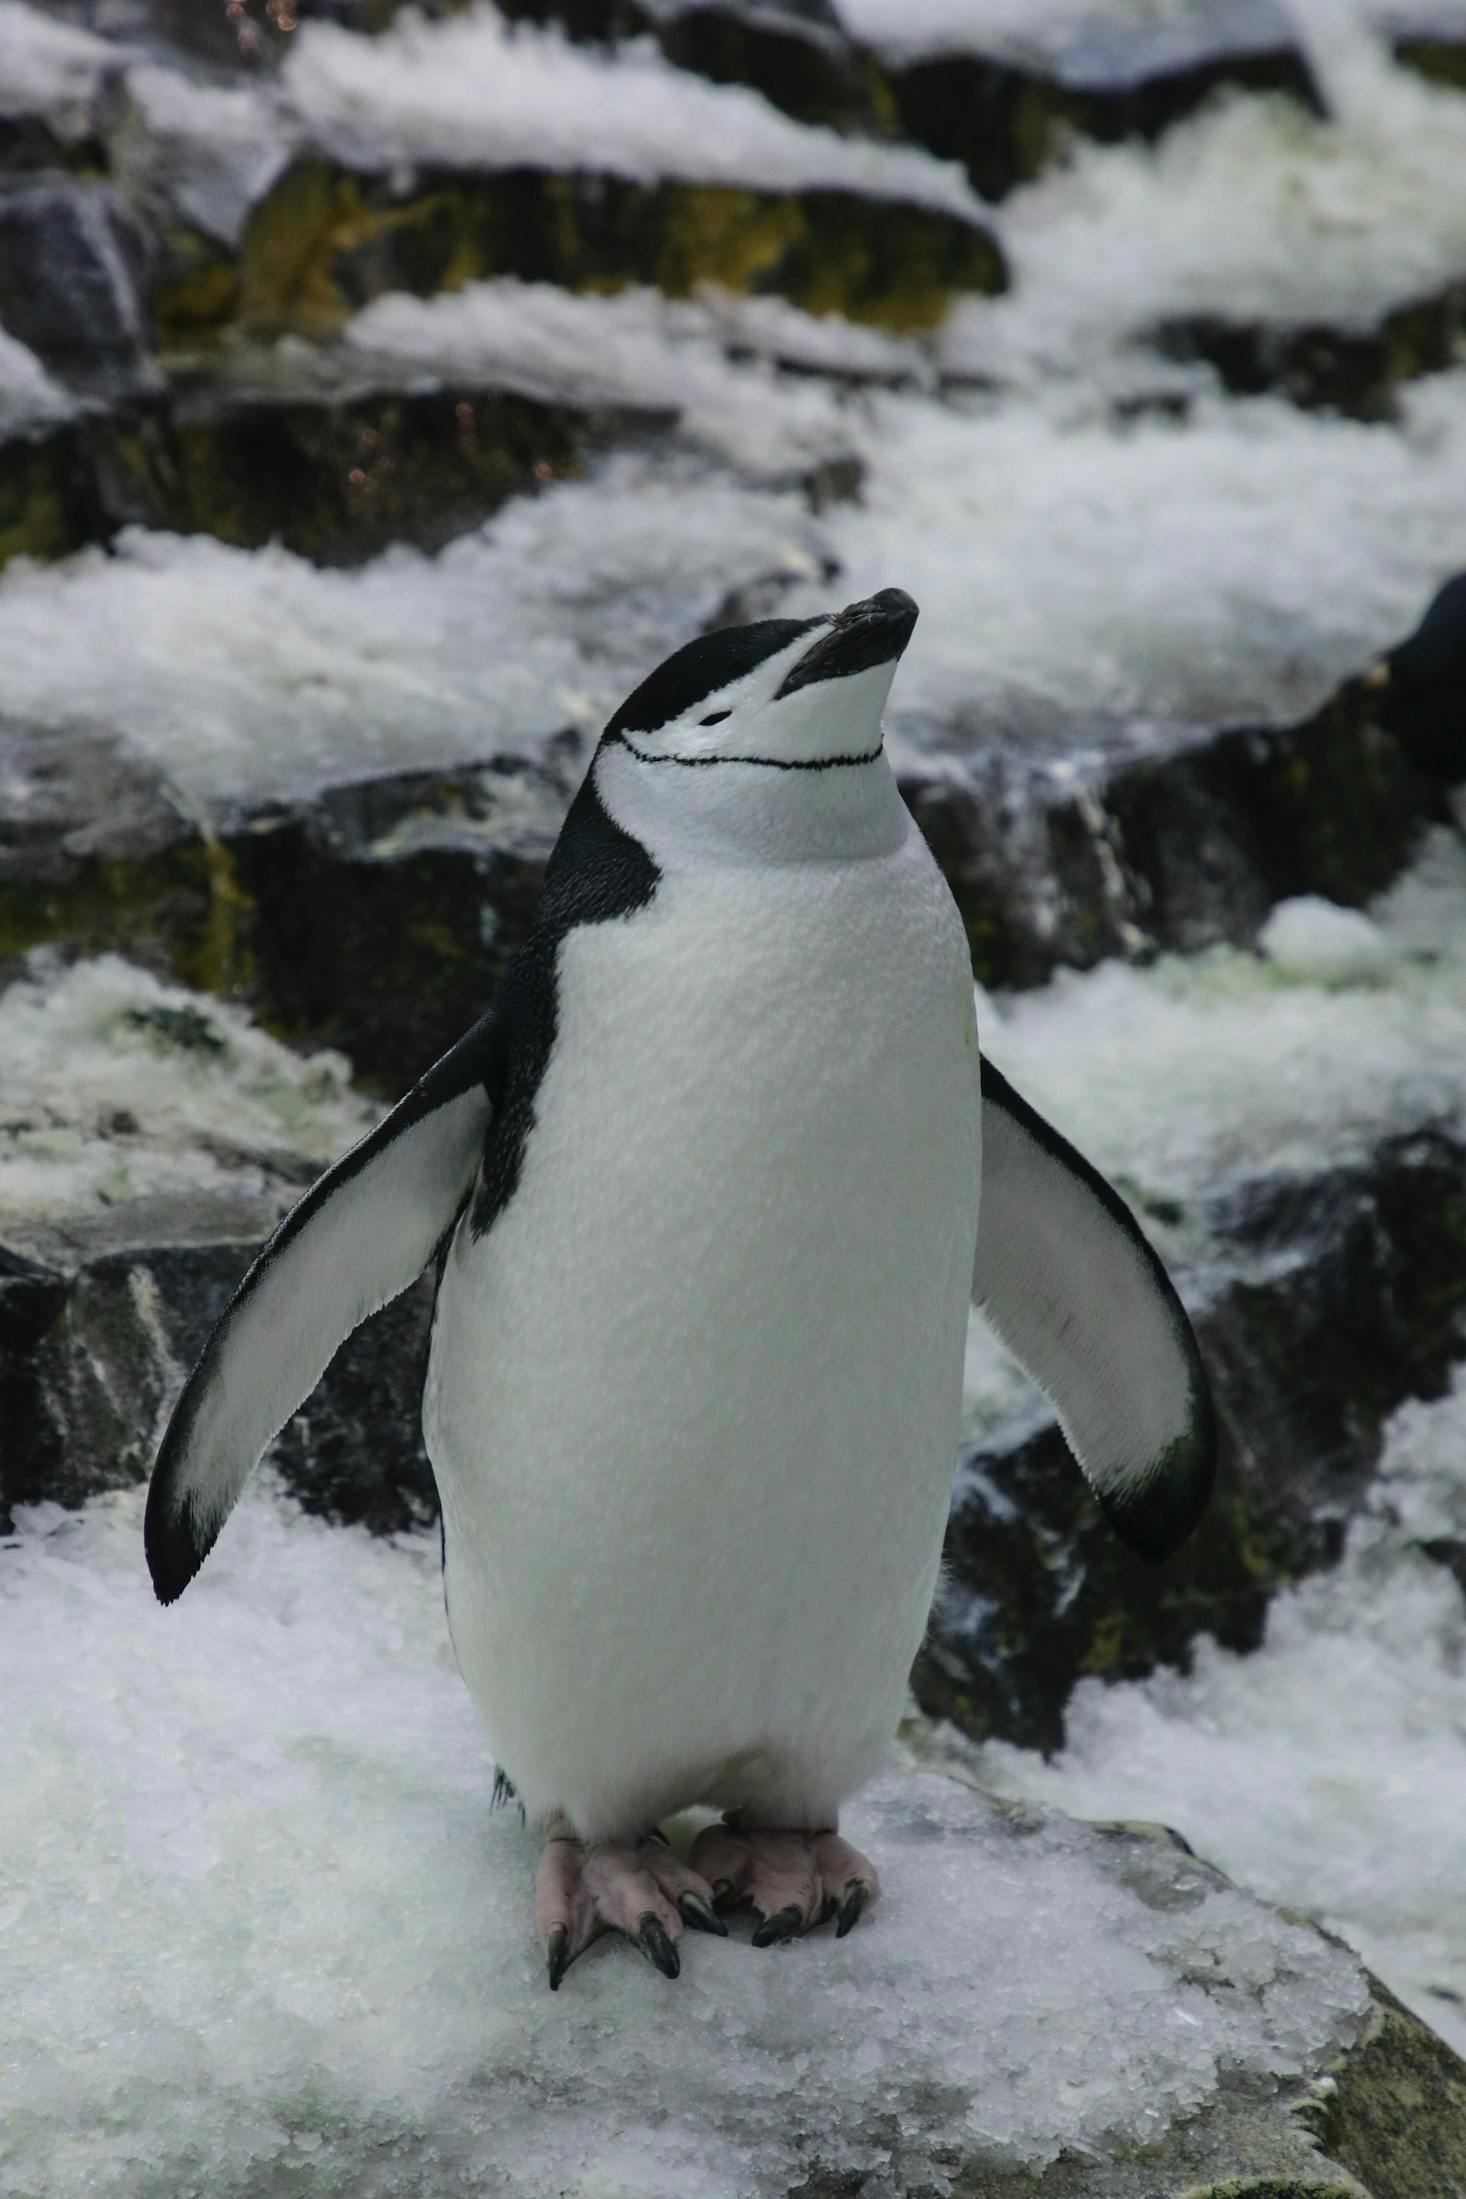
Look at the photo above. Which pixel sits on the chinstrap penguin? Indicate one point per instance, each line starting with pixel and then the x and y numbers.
pixel 706 1184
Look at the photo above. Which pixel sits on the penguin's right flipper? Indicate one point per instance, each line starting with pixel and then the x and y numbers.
pixel 360 1235
pixel 1079 1297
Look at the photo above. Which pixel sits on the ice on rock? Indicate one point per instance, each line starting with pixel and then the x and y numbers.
pixel 46 66
pixel 1253 210
pixel 210 152
pixel 1204 1069
pixel 119 1087
pixel 1176 30
pixel 476 90
pixel 29 399
pixel 1327 1769
pixel 263 1929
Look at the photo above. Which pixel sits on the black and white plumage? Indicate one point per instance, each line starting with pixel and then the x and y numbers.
pixel 710 1178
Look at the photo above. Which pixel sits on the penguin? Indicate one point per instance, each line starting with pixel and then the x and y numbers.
pixel 1422 686
pixel 705 1187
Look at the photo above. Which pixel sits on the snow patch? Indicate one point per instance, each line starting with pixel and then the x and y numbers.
pixel 637 350
pixel 474 90
pixel 1310 938
pixel 119 1087
pixel 48 67
pixel 1328 1768
pixel 266 1931
pixel 29 399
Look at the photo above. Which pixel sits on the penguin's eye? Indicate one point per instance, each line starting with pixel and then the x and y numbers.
pixel 715 718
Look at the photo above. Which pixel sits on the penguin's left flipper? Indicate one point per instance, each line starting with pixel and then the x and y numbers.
pixel 360 1235
pixel 1076 1293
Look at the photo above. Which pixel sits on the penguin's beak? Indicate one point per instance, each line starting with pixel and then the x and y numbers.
pixel 864 634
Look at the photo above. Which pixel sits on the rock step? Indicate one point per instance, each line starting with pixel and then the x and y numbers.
pixel 1347 1296
pixel 427 879
pixel 99 1325
pixel 337 479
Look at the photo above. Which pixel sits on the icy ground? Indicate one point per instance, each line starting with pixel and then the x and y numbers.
pixel 261 1924
pixel 1327 1770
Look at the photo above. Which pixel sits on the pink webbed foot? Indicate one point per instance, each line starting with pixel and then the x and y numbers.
pixel 636 1887
pixel 792 1880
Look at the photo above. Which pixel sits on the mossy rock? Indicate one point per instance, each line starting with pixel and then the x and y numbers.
pixel 1350 1297
pixel 327 240
pixel 48 494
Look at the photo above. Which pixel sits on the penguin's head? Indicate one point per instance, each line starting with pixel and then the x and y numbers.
pixel 793 694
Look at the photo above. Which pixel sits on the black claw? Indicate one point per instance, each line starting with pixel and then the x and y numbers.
pixel 696 1912
pixel 657 1947
pixel 783 1924
pixel 557 1956
pixel 722 1893
pixel 852 1908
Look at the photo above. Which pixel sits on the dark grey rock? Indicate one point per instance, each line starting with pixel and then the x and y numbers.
pixel 76 271
pixel 1339 1297
pixel 100 1323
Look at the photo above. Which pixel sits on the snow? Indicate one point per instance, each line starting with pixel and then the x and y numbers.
pixel 472 90
pixel 1327 1770
pixel 248 674
pixel 263 1932
pixel 47 67
pixel 1231 566
pixel 1203 1070
pixel 636 349
pixel 29 399
pixel 119 1087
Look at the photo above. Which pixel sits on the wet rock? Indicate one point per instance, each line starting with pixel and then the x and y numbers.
pixel 1346 1295
pixel 76 284
pixel 1174 839
pixel 328 239
pixel 100 1323
pixel 797 56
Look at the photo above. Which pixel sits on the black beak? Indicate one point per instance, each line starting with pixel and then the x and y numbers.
pixel 862 635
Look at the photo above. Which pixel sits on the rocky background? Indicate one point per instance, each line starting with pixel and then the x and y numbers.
pixel 382 391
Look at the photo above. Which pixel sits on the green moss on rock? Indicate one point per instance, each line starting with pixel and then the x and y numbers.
pixel 327 240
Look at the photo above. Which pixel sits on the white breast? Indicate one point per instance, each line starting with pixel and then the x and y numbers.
pixel 693 1400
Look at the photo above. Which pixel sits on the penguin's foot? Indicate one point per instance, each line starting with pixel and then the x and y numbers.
pixel 636 1887
pixel 791 1880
